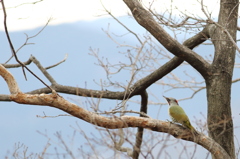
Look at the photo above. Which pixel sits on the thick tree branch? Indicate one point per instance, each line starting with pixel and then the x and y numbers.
pixel 54 100
pixel 145 19
pixel 138 87
pixel 10 80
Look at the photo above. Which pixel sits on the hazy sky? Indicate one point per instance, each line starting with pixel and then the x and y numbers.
pixel 29 16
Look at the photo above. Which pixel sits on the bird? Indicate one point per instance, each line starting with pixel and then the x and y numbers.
pixel 178 115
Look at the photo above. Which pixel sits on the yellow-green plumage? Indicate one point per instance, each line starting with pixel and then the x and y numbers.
pixel 178 115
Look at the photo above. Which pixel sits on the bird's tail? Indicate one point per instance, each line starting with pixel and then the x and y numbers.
pixel 189 126
pixel 194 131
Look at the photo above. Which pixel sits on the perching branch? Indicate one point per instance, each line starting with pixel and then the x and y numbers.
pixel 56 101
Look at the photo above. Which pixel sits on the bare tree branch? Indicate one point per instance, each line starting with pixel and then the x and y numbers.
pixel 222 27
pixel 139 135
pixel 65 58
pixel 110 120
pixel 43 70
pixel 28 62
pixel 121 23
pixel 54 100
pixel 24 4
pixel 119 145
pixel 145 19
pixel 177 131
pixel 13 50
pixel 139 86
pixel 10 80
pixel 28 38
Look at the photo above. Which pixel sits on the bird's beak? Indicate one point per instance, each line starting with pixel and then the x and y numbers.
pixel 165 97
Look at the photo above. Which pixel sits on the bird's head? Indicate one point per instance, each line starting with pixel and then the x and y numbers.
pixel 171 101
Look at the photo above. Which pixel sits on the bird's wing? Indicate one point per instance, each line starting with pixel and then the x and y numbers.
pixel 178 113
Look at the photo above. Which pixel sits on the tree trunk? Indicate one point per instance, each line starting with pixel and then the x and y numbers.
pixel 219 81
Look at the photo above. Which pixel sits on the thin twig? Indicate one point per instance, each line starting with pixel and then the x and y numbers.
pixel 65 58
pixel 121 23
pixel 126 111
pixel 13 50
pixel 24 4
pixel 224 29
pixel 29 61
pixel 27 38
pixel 45 116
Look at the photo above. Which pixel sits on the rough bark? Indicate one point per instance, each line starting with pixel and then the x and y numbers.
pixel 219 82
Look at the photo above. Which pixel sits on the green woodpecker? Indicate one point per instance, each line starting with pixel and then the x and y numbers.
pixel 178 115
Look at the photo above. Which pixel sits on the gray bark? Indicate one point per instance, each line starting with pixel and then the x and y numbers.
pixel 219 81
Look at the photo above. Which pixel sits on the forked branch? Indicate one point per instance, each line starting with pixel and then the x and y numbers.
pixel 145 19
pixel 54 100
pixel 13 50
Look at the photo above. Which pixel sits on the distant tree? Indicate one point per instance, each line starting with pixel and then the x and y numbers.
pixel 217 74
